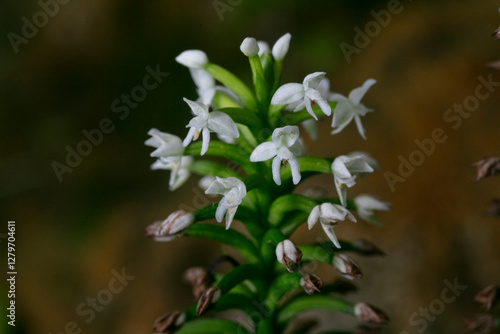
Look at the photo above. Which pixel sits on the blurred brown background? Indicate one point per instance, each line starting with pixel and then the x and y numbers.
pixel 71 235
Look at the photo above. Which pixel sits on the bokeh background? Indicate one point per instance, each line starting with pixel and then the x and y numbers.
pixel 72 234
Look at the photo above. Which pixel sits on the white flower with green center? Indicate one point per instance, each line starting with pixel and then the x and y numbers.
pixel 366 205
pixel 204 122
pixel 166 144
pixel 179 167
pixel 329 215
pixel 349 108
pixel 284 148
pixel 345 169
pixel 233 190
pixel 297 96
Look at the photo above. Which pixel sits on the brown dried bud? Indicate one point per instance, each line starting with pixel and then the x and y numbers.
pixel 200 279
pixel 489 297
pixel 487 167
pixel 209 297
pixel 493 208
pixel 347 267
pixel 370 314
pixel 169 323
pixel 481 323
pixel 170 228
pixel 311 283
pixel 365 247
pixel 288 254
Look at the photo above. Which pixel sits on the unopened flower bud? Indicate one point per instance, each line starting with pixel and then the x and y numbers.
pixel 365 247
pixel 487 167
pixel 489 297
pixel 280 48
pixel 249 47
pixel 311 283
pixel 370 314
pixel 481 323
pixel 169 323
pixel 207 299
pixel 288 254
pixel 192 59
pixel 347 267
pixel 200 279
pixel 172 227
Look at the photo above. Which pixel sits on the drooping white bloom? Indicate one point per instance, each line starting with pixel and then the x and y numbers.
pixel 297 96
pixel 284 147
pixel 349 108
pixel 366 205
pixel 205 121
pixel 192 58
pixel 329 215
pixel 249 47
pixel 345 169
pixel 166 144
pixel 170 228
pixel 287 254
pixel 179 167
pixel 280 48
pixel 233 190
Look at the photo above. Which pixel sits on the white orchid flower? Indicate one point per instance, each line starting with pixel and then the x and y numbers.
pixel 329 215
pixel 345 169
pixel 205 121
pixel 284 147
pixel 366 205
pixel 349 108
pixel 233 190
pixel 166 144
pixel 179 167
pixel 297 96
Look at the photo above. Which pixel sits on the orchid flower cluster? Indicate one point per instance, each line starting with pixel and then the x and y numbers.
pixel 259 131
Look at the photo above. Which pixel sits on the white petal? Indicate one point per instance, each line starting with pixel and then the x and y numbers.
pixel 288 93
pixel 295 168
pixel 357 93
pixel 313 216
pixel 342 116
pixel 192 58
pixel 359 125
pixel 312 80
pixel 222 124
pixel 280 252
pixel 198 108
pixel 324 106
pixel 189 137
pixel 324 87
pixel 276 170
pixel 286 136
pixel 307 103
pixel 280 48
pixel 329 232
pixel 206 141
pixel 229 217
pixel 339 168
pixel 249 47
pixel 202 78
pixel 221 210
pixel 263 152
